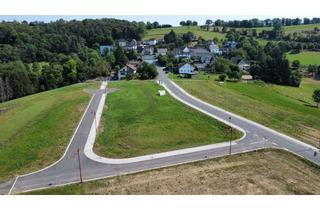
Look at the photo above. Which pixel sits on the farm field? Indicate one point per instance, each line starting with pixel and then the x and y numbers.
pixel 287 109
pixel 262 172
pixel 136 121
pixel 37 125
pixel 306 58
pixel 160 32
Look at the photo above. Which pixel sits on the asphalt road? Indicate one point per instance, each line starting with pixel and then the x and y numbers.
pixel 66 170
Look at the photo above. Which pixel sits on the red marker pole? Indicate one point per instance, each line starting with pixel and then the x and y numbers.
pixel 79 165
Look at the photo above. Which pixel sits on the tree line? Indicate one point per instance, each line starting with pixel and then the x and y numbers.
pixel 255 22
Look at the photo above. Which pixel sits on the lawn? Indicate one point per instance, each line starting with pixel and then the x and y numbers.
pixel 136 121
pixel 36 129
pixel 286 109
pixel 262 172
pixel 306 58
pixel 160 32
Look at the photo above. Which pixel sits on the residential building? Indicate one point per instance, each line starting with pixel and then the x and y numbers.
pixel 162 51
pixel 122 42
pixel 186 70
pixel 148 50
pixel 128 70
pixel 150 59
pixel 214 48
pixel 104 49
pixel 230 44
pixel 151 42
pixel 201 55
pixel 244 65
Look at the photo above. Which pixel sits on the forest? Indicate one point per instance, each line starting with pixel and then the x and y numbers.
pixel 40 56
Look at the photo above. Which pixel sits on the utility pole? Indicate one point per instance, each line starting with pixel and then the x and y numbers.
pixel 231 136
pixel 78 152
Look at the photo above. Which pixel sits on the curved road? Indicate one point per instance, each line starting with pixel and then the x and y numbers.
pixel 66 170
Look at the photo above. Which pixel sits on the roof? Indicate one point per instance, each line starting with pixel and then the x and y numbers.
pixel 122 40
pixel 199 50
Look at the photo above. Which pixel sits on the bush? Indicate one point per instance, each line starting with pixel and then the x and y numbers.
pixel 147 71
pixel 222 77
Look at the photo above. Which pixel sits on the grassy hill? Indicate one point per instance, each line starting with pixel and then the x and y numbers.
pixel 36 129
pixel 263 172
pixel 209 35
pixel 160 32
pixel 286 109
pixel 136 121
pixel 305 57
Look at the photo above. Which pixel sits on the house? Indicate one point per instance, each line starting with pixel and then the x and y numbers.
pixel 244 65
pixel 151 42
pixel 162 51
pixel 214 48
pixel 122 42
pixel 201 55
pixel 150 59
pixel 148 50
pixel 235 60
pixel 104 49
pixel 186 70
pixel 133 45
pixel 128 70
pixel 200 66
pixel 230 44
pixel 182 53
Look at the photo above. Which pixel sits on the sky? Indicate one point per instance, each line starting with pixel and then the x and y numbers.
pixel 162 19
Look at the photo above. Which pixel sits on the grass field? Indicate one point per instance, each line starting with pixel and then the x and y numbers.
pixel 306 58
pixel 136 121
pixel 263 172
pixel 160 32
pixel 37 125
pixel 286 109
pixel 209 35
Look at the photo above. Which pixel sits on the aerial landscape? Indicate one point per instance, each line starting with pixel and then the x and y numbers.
pixel 108 106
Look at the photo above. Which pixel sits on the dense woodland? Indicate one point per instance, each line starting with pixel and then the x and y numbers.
pixel 39 56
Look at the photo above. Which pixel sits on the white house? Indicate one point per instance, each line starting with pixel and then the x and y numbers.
pixel 186 70
pixel 122 42
pixel 133 45
pixel 150 42
pixel 214 48
pixel 244 65
pixel 126 71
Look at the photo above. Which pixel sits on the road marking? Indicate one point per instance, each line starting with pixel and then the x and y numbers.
pixel 14 183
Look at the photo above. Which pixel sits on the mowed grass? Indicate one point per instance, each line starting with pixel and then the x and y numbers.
pixel 287 109
pixel 36 129
pixel 160 32
pixel 306 58
pixel 137 121
pixel 262 172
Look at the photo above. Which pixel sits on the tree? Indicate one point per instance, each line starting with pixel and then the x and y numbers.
pixel 121 58
pixel 295 64
pixel 222 65
pixel 316 96
pixel 110 58
pixel 208 24
pixel 187 37
pixel 222 77
pixel 147 71
pixel 234 73
pixel 182 23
